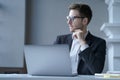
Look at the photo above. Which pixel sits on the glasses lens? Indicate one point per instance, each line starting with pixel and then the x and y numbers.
pixel 73 17
pixel 70 18
pixel 67 17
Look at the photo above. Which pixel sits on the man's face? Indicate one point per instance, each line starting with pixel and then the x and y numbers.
pixel 74 20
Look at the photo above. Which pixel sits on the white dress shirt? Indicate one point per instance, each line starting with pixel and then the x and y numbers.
pixel 75 50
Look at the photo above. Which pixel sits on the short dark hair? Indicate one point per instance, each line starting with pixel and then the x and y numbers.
pixel 83 9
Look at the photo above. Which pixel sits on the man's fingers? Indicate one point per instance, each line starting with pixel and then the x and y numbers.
pixel 78 30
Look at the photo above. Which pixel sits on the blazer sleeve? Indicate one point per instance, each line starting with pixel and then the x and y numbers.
pixel 63 39
pixel 60 40
pixel 94 57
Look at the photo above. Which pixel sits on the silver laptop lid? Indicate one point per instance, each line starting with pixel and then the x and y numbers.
pixel 48 60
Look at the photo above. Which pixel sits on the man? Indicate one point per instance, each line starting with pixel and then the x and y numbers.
pixel 87 52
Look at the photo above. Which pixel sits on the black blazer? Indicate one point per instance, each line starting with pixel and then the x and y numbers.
pixel 91 59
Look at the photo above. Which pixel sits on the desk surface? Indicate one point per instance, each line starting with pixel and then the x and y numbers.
pixel 29 77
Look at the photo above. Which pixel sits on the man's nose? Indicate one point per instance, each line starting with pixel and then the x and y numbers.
pixel 69 21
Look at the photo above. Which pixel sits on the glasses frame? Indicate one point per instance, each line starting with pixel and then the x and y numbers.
pixel 72 18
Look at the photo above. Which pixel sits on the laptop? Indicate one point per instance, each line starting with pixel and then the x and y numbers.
pixel 48 60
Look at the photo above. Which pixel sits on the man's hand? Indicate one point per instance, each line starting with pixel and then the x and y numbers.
pixel 80 35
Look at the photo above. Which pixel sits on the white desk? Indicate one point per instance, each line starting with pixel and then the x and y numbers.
pixel 29 77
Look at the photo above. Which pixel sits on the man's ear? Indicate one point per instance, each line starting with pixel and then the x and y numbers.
pixel 85 21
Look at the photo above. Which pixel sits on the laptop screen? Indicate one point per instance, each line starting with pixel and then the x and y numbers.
pixel 46 60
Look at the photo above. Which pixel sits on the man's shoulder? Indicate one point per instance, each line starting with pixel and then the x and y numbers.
pixel 93 38
pixel 63 39
pixel 65 36
pixel 98 38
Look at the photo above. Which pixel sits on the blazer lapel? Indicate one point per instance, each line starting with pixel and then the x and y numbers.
pixel 89 38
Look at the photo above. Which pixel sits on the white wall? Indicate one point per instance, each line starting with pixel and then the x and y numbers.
pixel 48 19
pixel 12 24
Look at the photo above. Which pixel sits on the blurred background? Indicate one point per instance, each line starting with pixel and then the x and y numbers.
pixel 38 22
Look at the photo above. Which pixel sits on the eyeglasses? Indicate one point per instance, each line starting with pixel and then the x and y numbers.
pixel 73 17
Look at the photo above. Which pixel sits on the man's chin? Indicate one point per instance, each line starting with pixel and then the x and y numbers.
pixel 71 30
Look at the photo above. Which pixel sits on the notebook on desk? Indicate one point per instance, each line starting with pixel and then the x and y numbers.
pixel 48 60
